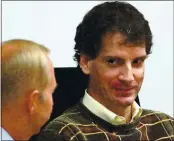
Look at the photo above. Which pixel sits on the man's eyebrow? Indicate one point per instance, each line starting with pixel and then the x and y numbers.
pixel 142 57
pixel 109 56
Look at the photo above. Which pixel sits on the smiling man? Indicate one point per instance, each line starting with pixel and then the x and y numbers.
pixel 112 43
pixel 116 75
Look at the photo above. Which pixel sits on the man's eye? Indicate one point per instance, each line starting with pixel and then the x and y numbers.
pixel 114 62
pixel 111 61
pixel 138 62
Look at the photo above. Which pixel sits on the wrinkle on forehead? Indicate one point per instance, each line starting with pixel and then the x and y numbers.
pixel 114 45
pixel 120 39
pixel 113 39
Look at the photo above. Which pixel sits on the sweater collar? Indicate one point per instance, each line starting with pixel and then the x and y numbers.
pixel 99 110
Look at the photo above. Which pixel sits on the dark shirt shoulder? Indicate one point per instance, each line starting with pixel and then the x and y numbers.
pixel 157 120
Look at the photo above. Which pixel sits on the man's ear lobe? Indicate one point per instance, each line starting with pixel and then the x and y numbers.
pixel 85 64
pixel 33 101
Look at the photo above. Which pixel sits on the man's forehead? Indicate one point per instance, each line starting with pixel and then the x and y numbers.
pixel 115 43
pixel 114 37
pixel 127 55
pixel 120 39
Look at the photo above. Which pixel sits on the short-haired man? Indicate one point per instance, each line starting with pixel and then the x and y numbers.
pixel 28 82
pixel 112 43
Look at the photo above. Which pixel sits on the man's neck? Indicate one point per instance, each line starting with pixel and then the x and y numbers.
pixel 124 111
pixel 15 126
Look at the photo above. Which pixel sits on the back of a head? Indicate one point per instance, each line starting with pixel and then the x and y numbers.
pixel 117 17
pixel 24 68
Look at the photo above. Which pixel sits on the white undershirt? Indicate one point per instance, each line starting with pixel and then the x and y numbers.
pixel 5 135
pixel 107 115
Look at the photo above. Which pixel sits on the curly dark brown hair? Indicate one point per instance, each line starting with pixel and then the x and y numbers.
pixel 118 17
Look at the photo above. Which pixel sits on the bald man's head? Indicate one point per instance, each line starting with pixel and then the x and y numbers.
pixel 24 68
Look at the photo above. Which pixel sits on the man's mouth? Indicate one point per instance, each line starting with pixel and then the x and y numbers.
pixel 124 89
pixel 127 90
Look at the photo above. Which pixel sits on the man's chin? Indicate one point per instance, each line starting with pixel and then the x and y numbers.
pixel 124 101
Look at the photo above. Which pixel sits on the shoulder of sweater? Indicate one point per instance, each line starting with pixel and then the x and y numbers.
pixel 67 124
pixel 150 113
pixel 70 117
pixel 162 121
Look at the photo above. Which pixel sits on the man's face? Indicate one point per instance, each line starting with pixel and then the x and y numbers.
pixel 45 102
pixel 116 74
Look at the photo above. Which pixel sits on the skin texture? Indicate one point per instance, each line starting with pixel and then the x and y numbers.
pixel 116 74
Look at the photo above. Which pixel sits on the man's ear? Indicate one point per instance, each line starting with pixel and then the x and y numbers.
pixel 33 101
pixel 85 64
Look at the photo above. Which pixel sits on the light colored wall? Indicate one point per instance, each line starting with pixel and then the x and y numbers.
pixel 54 24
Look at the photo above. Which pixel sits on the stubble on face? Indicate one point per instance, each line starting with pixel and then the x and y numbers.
pixel 101 74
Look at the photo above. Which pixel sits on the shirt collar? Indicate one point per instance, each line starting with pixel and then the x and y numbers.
pixel 5 135
pixel 107 115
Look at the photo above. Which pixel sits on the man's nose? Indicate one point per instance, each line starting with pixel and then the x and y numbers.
pixel 126 73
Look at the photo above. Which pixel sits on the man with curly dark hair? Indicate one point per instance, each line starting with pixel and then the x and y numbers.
pixel 112 43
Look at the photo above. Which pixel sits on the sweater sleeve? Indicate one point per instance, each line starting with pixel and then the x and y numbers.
pixel 49 136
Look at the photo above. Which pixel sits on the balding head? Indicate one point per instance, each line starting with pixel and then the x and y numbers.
pixel 24 68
